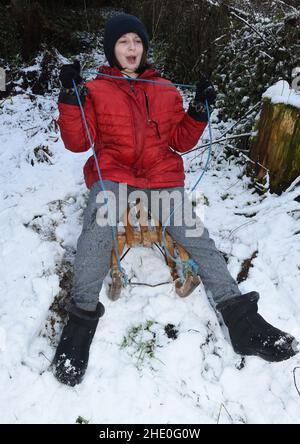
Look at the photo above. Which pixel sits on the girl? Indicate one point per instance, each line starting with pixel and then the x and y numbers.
pixel 137 129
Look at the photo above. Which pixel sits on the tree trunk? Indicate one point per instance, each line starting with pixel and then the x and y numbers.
pixel 276 147
pixel 28 16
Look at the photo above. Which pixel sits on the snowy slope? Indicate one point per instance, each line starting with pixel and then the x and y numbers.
pixel 137 372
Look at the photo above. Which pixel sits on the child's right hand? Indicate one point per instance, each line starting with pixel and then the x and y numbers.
pixel 70 72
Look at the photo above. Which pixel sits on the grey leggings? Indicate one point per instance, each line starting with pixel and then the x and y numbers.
pixel 93 257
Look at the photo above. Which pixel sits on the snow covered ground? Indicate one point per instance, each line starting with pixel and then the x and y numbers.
pixel 155 358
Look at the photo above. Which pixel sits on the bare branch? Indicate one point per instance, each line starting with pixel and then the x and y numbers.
pixel 252 27
pixel 237 136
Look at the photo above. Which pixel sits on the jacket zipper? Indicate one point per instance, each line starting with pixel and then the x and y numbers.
pixel 149 120
pixel 132 87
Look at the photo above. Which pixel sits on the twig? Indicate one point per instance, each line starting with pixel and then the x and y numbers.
pixel 240 226
pixel 85 10
pixel 295 382
pixel 241 118
pixel 228 130
pixel 48 157
pixel 265 53
pixel 222 405
pixel 42 353
pixel 32 127
pixel 148 285
pixel 158 19
pixel 252 27
pixel 223 134
pixel 290 6
pixel 237 136
pixel 1 103
pixel 205 51
pixel 248 158
pixel 293 184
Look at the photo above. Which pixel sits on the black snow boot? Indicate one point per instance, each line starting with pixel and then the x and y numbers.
pixel 72 354
pixel 250 334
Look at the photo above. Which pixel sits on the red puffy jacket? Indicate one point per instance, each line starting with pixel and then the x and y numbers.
pixel 133 125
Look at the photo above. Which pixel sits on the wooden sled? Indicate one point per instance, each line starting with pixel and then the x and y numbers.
pixel 138 228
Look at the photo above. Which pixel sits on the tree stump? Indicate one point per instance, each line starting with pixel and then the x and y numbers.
pixel 276 147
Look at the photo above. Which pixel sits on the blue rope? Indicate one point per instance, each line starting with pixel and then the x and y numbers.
pixel 187 264
pixel 122 271
pixel 182 85
pixel 192 263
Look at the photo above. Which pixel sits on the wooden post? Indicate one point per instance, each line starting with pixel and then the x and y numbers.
pixel 276 147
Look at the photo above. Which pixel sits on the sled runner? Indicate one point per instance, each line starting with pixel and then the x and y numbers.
pixel 139 228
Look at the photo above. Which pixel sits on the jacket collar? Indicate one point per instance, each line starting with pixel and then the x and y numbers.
pixel 149 73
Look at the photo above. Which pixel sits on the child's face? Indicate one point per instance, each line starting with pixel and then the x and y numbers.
pixel 129 50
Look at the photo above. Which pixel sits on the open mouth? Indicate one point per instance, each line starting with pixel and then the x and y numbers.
pixel 131 59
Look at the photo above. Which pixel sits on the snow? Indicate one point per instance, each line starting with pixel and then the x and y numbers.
pixel 192 378
pixel 282 93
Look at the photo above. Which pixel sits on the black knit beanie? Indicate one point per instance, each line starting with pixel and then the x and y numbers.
pixel 121 24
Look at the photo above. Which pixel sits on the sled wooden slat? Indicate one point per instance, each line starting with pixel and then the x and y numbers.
pixel 146 233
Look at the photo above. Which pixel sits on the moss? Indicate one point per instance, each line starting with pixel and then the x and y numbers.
pixel 143 340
